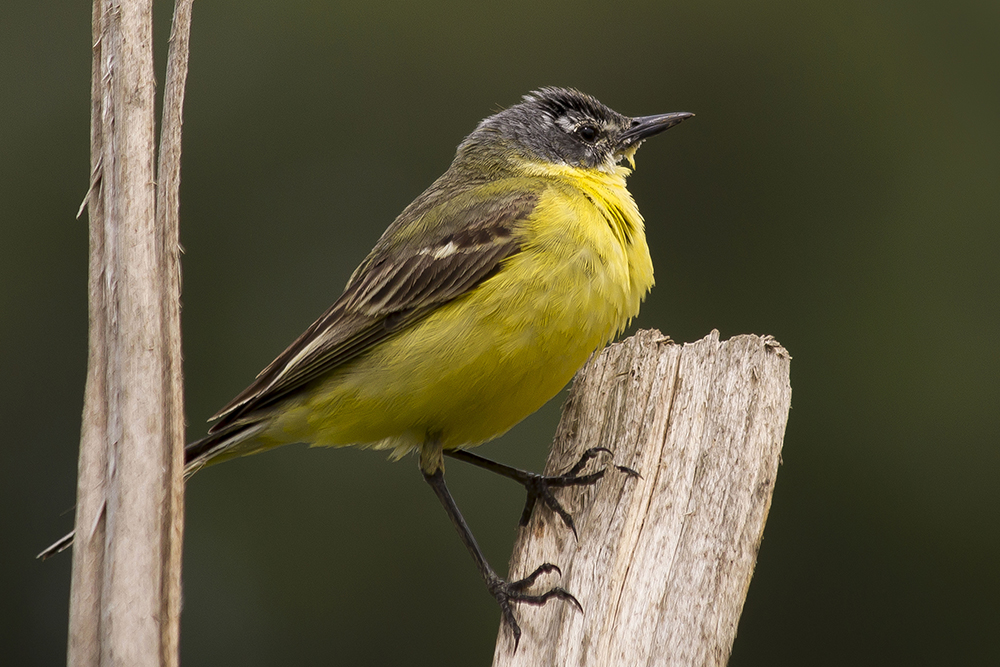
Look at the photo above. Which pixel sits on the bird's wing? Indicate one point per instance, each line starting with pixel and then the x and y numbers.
pixel 430 255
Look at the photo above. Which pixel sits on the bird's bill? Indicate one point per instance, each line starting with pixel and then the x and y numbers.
pixel 643 127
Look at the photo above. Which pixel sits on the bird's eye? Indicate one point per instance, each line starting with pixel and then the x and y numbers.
pixel 587 132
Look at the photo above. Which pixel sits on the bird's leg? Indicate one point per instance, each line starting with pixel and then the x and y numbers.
pixel 539 487
pixel 504 591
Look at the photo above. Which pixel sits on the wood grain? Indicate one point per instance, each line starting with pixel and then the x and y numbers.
pixel 125 592
pixel 663 562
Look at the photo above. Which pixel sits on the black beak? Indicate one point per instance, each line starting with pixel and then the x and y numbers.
pixel 644 127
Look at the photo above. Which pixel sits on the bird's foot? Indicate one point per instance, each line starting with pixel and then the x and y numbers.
pixel 539 487
pixel 507 592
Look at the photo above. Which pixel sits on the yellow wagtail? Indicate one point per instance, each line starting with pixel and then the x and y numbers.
pixel 476 306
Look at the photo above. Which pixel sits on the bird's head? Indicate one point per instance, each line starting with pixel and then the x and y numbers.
pixel 567 127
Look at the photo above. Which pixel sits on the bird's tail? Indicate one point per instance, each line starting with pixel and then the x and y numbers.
pixel 213 448
pixel 227 443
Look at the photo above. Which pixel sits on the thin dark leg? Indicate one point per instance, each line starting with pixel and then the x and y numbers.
pixel 539 486
pixel 504 592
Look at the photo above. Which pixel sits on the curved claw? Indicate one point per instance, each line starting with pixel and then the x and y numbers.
pixel 538 486
pixel 544 568
pixel 585 458
pixel 514 591
pixel 629 471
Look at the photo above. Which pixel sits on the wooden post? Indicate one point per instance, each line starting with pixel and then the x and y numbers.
pixel 663 562
pixel 125 594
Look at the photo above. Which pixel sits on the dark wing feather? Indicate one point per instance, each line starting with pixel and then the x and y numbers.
pixel 407 275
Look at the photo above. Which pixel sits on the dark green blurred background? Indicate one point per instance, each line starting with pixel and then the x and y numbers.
pixel 839 189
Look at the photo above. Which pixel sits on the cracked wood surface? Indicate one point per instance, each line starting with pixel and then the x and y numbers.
pixel 663 562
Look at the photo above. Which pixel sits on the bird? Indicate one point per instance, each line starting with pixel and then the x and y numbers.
pixel 476 306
